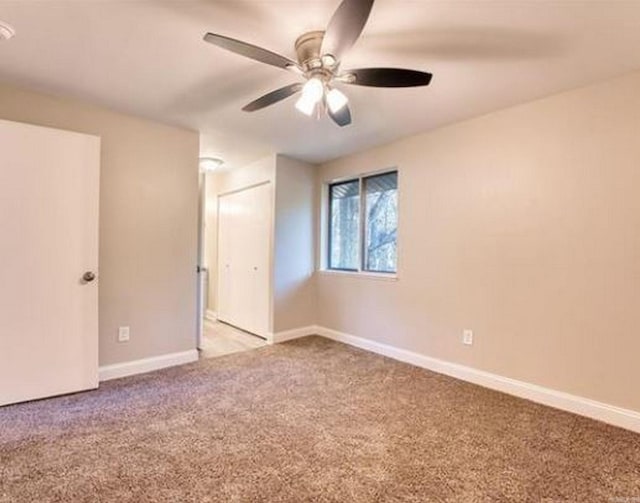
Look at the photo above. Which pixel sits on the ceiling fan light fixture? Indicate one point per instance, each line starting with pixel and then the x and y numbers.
pixel 210 164
pixel 336 100
pixel 312 93
pixel 313 90
pixel 306 105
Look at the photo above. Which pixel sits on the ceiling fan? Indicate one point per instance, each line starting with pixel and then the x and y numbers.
pixel 319 55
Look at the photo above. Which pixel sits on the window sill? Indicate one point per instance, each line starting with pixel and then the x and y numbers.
pixel 379 276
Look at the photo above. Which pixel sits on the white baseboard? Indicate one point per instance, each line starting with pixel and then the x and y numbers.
pixel 211 315
pixel 125 369
pixel 296 333
pixel 606 413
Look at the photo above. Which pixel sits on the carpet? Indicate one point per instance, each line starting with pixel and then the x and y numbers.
pixel 308 420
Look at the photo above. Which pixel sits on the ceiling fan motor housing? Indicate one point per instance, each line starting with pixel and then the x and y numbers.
pixel 308 49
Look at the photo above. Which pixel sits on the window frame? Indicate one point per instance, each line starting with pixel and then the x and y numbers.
pixel 330 217
pixel 365 223
pixel 361 271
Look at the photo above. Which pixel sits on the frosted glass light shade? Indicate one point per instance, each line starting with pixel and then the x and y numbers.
pixel 313 89
pixel 312 93
pixel 306 105
pixel 336 100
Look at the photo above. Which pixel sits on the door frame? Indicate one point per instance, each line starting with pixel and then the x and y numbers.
pixel 202 271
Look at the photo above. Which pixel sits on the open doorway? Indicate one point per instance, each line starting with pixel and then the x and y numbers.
pixel 220 339
pixel 234 263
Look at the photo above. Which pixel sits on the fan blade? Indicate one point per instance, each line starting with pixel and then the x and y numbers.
pixel 385 77
pixel 342 117
pixel 345 27
pixel 273 97
pixel 250 51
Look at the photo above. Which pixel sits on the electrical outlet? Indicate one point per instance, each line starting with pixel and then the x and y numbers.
pixel 467 337
pixel 123 334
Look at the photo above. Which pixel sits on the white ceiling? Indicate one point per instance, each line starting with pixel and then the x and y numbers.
pixel 147 57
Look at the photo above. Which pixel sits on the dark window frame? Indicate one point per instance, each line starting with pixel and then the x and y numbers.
pixel 362 224
pixel 365 223
pixel 330 219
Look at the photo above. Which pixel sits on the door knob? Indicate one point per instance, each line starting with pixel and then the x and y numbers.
pixel 88 277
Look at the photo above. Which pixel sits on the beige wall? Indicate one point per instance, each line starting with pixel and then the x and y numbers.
pixel 523 225
pixel 148 222
pixel 294 259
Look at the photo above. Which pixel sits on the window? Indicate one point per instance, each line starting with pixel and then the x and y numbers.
pixel 381 222
pixel 344 226
pixel 363 224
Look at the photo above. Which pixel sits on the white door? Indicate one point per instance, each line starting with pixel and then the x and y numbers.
pixel 49 189
pixel 244 251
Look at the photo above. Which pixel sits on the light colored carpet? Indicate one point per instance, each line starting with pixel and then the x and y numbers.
pixel 309 420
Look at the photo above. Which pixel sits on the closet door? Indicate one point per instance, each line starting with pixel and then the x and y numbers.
pixel 225 247
pixel 49 181
pixel 244 250
pixel 259 229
